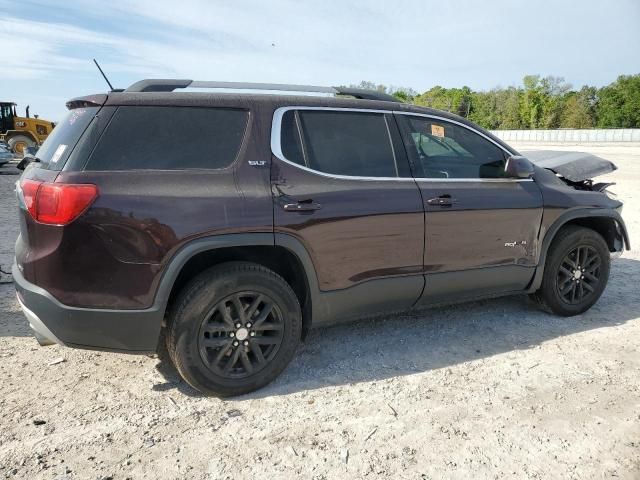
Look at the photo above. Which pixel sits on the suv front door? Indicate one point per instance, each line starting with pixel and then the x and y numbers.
pixel 342 186
pixel 480 228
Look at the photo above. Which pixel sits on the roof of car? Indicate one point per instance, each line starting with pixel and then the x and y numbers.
pixel 242 100
pixel 165 96
pixel 162 91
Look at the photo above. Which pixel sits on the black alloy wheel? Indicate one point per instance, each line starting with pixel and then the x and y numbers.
pixel 579 274
pixel 233 328
pixel 241 334
pixel 576 271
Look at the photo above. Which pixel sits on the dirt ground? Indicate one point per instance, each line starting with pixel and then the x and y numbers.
pixel 489 389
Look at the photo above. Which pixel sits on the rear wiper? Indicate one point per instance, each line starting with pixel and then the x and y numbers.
pixel 26 160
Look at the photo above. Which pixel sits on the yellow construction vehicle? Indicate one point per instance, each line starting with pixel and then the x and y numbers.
pixel 22 132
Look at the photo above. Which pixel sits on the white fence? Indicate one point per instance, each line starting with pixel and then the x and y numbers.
pixel 570 135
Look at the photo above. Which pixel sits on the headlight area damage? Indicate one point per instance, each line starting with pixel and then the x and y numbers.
pixel 575 168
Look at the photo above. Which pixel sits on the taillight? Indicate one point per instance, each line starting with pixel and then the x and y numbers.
pixel 29 192
pixel 57 203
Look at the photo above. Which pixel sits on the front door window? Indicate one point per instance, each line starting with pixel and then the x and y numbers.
pixel 448 150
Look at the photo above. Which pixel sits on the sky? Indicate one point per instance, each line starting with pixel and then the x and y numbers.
pixel 46 47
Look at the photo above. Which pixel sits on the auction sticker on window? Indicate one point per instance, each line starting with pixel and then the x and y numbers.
pixel 58 153
pixel 437 130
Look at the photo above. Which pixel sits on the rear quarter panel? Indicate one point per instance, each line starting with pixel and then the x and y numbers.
pixel 114 255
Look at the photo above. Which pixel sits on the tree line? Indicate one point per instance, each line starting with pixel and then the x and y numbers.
pixel 541 102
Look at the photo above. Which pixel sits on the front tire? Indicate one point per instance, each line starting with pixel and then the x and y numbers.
pixel 19 143
pixel 576 272
pixel 234 329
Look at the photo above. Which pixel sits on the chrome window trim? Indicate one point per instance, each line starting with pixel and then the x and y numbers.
pixel 276 149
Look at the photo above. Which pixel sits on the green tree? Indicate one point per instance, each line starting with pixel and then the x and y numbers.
pixel 497 109
pixel 510 102
pixel 531 106
pixel 404 94
pixel 484 109
pixel 619 103
pixel 454 100
pixel 554 93
pixel 579 108
pixel 541 102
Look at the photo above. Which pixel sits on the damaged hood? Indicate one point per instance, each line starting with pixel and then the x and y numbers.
pixel 574 166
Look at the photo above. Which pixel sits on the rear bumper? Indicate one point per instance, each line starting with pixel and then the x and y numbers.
pixel 40 331
pixel 133 331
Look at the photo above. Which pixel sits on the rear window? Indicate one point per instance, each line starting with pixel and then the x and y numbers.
pixel 56 148
pixel 170 138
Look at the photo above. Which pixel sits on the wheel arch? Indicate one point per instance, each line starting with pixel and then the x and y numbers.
pixel 608 223
pixel 283 254
pixel 14 133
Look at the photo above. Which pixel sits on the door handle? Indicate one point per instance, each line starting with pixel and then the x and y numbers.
pixel 442 201
pixel 302 206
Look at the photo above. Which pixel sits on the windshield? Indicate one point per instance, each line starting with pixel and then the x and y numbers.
pixel 56 149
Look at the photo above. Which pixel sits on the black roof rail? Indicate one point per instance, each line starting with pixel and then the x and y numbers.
pixel 169 85
pixel 365 94
pixel 158 85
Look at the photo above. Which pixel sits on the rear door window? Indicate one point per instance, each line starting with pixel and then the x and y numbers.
pixel 340 142
pixel 56 148
pixel 170 138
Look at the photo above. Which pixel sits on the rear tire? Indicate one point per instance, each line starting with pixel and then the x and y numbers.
pixel 575 273
pixel 19 143
pixel 234 328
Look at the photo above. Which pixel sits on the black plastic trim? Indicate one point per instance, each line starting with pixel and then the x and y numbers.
pixel 582 213
pixel 138 331
pixel 135 331
pixel 186 252
pixel 475 283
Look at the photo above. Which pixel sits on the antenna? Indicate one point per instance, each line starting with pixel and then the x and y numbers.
pixel 103 75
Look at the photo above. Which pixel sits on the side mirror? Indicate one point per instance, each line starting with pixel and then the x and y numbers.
pixel 518 167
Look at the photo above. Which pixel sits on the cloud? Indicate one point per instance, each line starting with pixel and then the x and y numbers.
pixel 34 49
pixel 282 40
pixel 415 43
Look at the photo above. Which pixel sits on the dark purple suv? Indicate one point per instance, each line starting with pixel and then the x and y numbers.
pixel 229 224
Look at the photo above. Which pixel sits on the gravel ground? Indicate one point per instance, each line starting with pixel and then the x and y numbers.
pixel 487 389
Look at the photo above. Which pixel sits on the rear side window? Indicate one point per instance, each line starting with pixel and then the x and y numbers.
pixel 59 144
pixel 170 138
pixel 339 142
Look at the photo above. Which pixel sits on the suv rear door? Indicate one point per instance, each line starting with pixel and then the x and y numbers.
pixel 342 186
pixel 481 228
